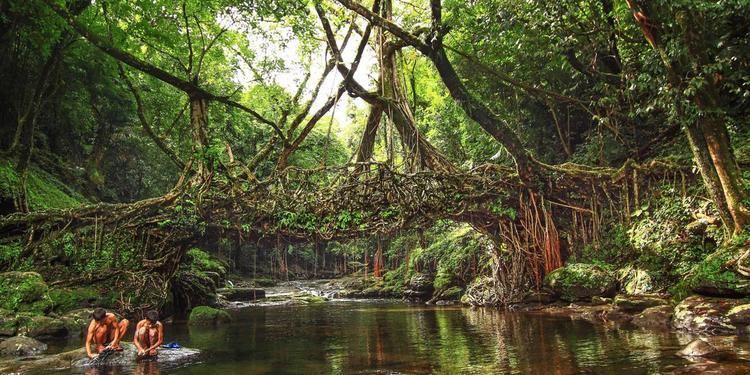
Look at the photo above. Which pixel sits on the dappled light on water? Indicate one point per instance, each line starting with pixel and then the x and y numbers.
pixel 394 338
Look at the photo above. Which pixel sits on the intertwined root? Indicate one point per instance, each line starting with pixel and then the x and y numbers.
pixel 741 269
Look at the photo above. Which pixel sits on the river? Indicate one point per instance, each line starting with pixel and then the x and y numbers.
pixel 393 337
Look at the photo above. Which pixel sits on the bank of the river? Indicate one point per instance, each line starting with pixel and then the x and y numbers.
pixel 386 336
pixel 696 334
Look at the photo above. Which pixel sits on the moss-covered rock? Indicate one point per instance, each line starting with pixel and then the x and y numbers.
pixel 581 281
pixel 21 346
pixel 7 323
pixel 204 315
pixel 76 321
pixel 632 304
pixel 305 298
pixel 374 291
pixel 712 278
pixel 451 294
pixel 634 281
pixel 420 287
pixel 204 262
pixel 481 292
pixel 67 299
pixel 41 326
pixel 242 294
pixel 24 292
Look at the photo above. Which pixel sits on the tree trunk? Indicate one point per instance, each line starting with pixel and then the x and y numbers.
pixel 199 131
pixel 101 141
pixel 422 155
pixel 367 144
pixel 708 135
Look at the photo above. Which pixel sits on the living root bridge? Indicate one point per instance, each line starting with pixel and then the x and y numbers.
pixel 360 200
pixel 355 200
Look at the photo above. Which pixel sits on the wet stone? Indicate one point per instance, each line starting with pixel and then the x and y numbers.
pixel 21 346
pixel 657 317
pixel 242 294
pixel 705 315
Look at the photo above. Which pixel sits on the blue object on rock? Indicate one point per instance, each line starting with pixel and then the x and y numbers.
pixel 172 345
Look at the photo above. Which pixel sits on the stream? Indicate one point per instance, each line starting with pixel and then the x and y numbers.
pixel 394 337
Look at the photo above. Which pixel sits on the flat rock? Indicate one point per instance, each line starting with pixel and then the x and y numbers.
pixel 634 304
pixel 78 359
pixel 21 346
pixel 128 355
pixel 242 294
pixel 705 315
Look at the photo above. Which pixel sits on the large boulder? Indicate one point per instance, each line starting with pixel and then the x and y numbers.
pixel 41 326
pixel 580 282
pixel 634 281
pixel 420 287
pixel 21 346
pixel 711 277
pixel 481 292
pixel 242 294
pixel 706 315
pixel 76 321
pixel 67 299
pixel 7 323
pixel 23 291
pixel 657 317
pixel 204 315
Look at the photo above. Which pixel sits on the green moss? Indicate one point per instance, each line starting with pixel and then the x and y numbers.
pixel 7 323
pixel 581 281
pixel 204 315
pixel 44 190
pixel 37 325
pixel 64 299
pixel 23 291
pixel 9 252
pixel 9 181
pixel 453 293
pixel 711 277
pixel 203 262
pixel 310 299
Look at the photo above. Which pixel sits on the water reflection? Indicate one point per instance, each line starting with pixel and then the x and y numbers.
pixel 367 338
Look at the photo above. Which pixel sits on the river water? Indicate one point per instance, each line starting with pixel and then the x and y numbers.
pixel 392 337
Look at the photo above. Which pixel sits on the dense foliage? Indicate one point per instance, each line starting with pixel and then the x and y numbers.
pixel 619 130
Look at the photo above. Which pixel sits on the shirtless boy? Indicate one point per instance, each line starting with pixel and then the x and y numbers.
pixel 149 335
pixel 105 332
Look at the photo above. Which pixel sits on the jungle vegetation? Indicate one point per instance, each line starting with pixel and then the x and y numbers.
pixel 462 138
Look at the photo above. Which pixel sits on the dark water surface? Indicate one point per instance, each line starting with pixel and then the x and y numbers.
pixel 349 337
